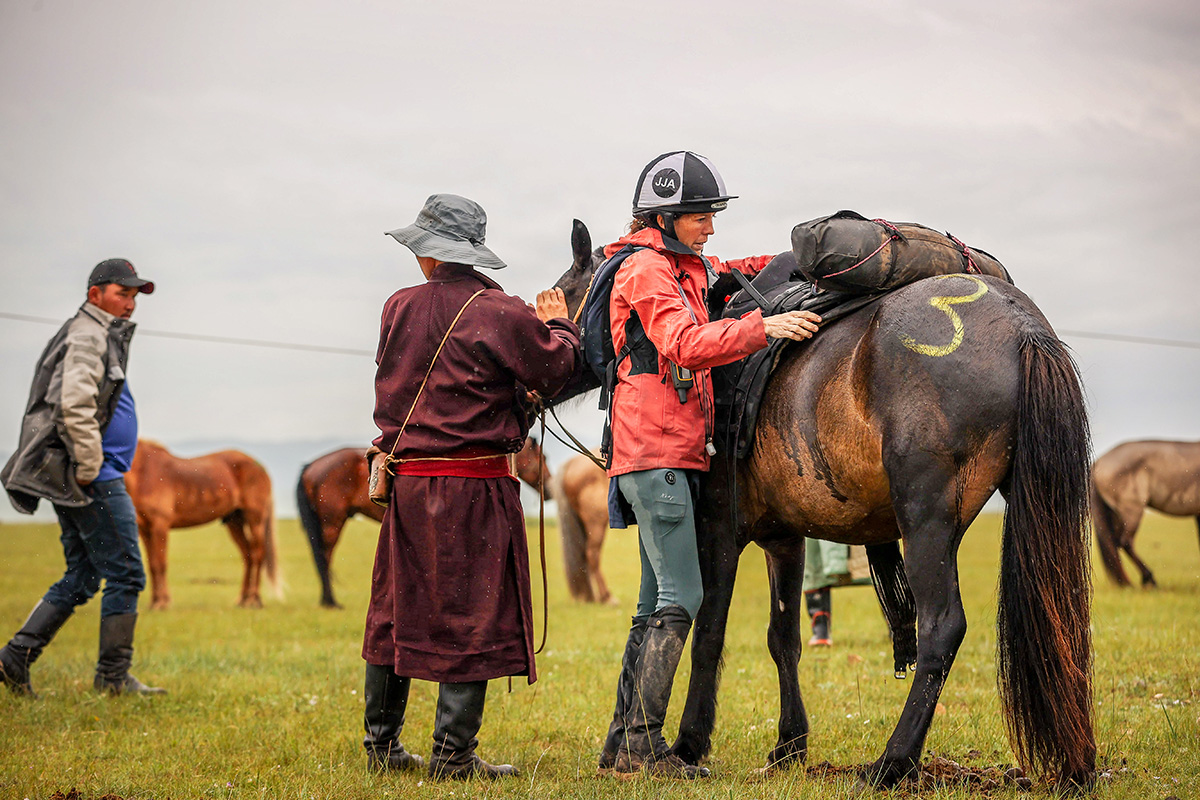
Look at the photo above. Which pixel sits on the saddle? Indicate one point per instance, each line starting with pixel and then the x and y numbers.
pixel 838 264
pixel 739 386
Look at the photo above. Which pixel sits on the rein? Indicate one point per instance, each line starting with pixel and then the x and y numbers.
pixel 574 445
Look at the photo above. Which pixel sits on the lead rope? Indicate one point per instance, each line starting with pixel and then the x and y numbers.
pixel 542 537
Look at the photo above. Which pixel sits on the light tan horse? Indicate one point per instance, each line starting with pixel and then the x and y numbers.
pixel 1129 479
pixel 581 489
pixel 171 492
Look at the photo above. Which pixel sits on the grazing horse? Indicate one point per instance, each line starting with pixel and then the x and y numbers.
pixel 171 492
pixel 897 423
pixel 333 488
pixel 1129 479
pixel 581 489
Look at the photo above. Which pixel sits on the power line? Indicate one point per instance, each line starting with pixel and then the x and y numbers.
pixel 200 337
pixel 1117 337
pixel 349 351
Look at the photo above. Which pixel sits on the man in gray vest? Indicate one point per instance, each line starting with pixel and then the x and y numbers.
pixel 78 437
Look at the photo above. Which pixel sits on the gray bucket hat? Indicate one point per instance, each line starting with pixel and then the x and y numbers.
pixel 449 228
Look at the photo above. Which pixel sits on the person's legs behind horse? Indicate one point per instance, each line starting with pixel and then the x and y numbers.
pixel 820 612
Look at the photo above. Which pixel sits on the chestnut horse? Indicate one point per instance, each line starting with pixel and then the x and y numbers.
pixel 898 422
pixel 333 488
pixel 1129 479
pixel 171 492
pixel 581 489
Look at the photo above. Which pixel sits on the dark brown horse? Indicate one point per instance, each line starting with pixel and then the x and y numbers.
pixel 898 422
pixel 581 489
pixel 333 488
pixel 1129 479
pixel 171 492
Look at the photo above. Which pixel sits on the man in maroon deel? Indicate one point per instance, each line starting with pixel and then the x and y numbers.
pixel 450 594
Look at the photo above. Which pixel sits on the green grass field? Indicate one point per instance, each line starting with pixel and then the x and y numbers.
pixel 268 703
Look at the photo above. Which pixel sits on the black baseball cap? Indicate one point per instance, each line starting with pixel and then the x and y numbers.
pixel 120 272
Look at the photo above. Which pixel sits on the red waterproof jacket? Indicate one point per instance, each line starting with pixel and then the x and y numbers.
pixel 651 429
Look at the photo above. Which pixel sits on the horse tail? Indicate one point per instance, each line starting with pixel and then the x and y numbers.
pixel 1108 528
pixel 574 544
pixel 312 528
pixel 271 553
pixel 1044 648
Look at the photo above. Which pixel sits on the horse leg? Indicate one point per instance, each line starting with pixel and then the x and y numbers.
pixel 237 530
pixel 785 570
pixel 331 531
pixel 896 600
pixel 154 539
pixel 1147 576
pixel 930 558
pixel 595 543
pixel 718 568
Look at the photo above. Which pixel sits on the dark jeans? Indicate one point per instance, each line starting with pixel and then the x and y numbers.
pixel 100 540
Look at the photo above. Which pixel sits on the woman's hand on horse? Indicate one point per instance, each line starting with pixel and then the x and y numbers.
pixel 792 325
pixel 551 304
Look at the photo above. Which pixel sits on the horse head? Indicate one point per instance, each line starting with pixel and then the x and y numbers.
pixel 575 283
pixel 578 277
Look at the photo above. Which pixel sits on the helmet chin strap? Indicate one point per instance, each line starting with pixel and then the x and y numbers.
pixel 667 224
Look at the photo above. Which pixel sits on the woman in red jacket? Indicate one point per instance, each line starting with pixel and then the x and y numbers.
pixel 662 429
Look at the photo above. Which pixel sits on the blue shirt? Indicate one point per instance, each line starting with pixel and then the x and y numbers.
pixel 120 438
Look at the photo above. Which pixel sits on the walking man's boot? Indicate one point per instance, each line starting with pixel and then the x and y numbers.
pixel 616 729
pixel 459 715
pixel 116 654
pixel 644 750
pixel 27 644
pixel 386 695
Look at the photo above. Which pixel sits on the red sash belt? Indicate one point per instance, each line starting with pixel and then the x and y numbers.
pixel 453 467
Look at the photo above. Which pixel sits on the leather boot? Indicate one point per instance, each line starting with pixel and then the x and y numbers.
pixel 820 609
pixel 116 654
pixel 616 729
pixel 26 645
pixel 459 715
pixel 386 695
pixel 644 749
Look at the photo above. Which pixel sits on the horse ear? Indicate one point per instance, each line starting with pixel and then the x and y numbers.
pixel 581 245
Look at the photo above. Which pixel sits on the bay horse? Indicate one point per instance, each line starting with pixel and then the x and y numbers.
pixel 581 490
pixel 1135 476
pixel 897 423
pixel 333 488
pixel 171 492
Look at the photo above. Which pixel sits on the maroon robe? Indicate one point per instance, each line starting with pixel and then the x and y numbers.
pixel 450 596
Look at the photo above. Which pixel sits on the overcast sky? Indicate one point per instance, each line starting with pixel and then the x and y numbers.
pixel 247 157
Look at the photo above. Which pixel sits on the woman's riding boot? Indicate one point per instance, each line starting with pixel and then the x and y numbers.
pixel 459 715
pixel 616 729
pixel 27 644
pixel 386 696
pixel 116 654
pixel 820 608
pixel 644 748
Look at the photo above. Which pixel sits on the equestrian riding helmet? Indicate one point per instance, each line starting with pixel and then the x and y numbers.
pixel 681 182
